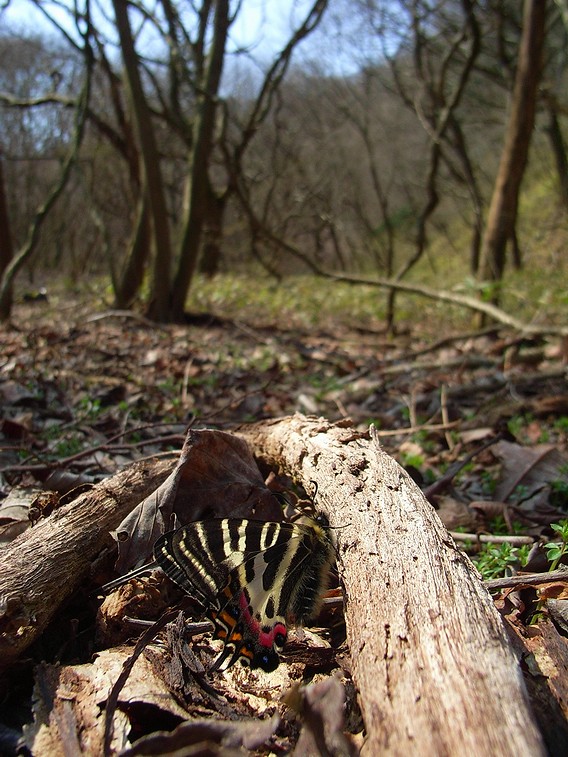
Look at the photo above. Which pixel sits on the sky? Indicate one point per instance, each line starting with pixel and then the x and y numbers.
pixel 262 26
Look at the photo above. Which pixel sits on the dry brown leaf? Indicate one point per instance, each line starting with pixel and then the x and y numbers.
pixel 216 476
pixel 556 590
pixel 139 598
pixel 454 513
pixel 206 736
pixel 322 708
pixel 533 467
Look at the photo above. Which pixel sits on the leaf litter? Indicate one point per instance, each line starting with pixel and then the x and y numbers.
pixel 82 398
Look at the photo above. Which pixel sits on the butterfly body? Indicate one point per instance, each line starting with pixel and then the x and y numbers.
pixel 254 579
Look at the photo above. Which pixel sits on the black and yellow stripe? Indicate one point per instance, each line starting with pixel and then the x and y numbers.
pixel 253 577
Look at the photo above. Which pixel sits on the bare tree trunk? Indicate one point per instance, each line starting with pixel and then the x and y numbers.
pixel 130 281
pixel 559 151
pixel 504 202
pixel 159 305
pixel 6 245
pixel 429 653
pixel 195 213
pixel 213 233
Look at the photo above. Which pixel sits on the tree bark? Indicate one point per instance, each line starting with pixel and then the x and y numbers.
pixel 558 146
pixel 504 202
pixel 159 305
pixel 130 280
pixel 198 181
pixel 429 653
pixel 213 233
pixel 46 564
pixel 6 245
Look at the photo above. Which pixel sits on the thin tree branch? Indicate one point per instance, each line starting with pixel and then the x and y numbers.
pixel 36 225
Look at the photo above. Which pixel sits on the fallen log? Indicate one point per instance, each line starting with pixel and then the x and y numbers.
pixel 42 567
pixel 429 653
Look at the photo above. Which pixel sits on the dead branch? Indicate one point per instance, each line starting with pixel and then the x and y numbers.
pixel 527 579
pixel 516 541
pixel 462 300
pixel 430 657
pixel 108 447
pixel 43 566
pixel 493 312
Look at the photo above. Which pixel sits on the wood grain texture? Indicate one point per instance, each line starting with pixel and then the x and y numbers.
pixel 430 656
pixel 44 565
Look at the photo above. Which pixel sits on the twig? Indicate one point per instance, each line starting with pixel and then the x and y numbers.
pixel 445 415
pixel 445 341
pixel 191 629
pixel 415 429
pixel 236 401
pixel 493 538
pixel 126 314
pixel 530 579
pixel 118 685
pixel 185 384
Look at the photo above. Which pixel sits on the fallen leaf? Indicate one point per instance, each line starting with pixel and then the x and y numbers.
pixel 14 513
pixel 454 513
pixel 322 708
pixel 530 466
pixel 204 733
pixel 216 477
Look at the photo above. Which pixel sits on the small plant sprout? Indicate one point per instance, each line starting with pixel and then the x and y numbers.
pixel 495 561
pixel 555 550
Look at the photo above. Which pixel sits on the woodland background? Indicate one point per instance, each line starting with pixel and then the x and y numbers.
pixel 143 150
pixel 215 213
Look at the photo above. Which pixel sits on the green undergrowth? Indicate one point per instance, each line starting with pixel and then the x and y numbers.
pixel 536 293
pixel 301 301
pixel 498 560
pixel 532 295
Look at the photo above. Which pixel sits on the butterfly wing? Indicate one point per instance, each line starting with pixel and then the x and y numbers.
pixel 200 556
pixel 253 578
pixel 248 620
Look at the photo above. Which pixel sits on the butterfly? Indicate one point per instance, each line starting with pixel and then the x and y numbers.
pixel 254 579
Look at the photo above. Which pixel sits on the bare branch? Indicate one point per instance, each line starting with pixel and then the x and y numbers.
pixel 29 245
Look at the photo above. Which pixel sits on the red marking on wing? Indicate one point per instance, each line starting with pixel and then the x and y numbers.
pixel 264 638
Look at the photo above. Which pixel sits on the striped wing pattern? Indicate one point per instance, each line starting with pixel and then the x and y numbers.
pixel 254 578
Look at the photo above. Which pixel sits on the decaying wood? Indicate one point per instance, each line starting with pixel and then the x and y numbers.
pixel 430 657
pixel 45 564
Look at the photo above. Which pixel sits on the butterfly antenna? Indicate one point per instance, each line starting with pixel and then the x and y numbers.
pixel 147 568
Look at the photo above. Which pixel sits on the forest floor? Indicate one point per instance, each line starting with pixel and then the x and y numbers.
pixel 479 419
